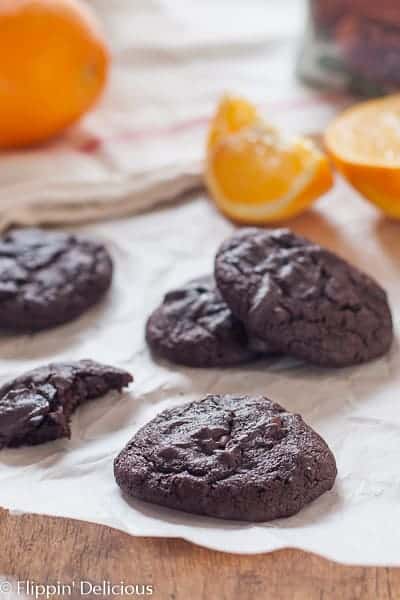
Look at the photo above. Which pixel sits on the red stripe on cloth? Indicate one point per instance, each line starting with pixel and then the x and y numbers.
pixel 94 144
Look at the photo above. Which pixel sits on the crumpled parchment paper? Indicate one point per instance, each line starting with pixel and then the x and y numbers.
pixel 356 410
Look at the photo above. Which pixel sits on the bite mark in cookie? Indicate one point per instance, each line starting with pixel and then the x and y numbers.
pixel 36 407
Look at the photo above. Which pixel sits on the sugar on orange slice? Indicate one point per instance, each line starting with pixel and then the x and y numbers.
pixel 255 174
pixel 364 143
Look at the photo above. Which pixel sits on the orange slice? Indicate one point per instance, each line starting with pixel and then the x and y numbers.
pixel 254 173
pixel 364 142
pixel 233 113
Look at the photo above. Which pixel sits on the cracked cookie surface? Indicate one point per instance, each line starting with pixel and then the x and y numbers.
pixel 193 326
pixel 302 298
pixel 37 406
pixel 233 457
pixel 48 278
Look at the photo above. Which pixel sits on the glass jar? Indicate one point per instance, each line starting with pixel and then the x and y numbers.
pixel 353 45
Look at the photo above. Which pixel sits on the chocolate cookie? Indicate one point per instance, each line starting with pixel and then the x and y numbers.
pixel 302 298
pixel 233 457
pixel 48 278
pixel 194 327
pixel 37 406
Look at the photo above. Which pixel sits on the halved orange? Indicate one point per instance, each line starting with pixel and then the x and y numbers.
pixel 364 142
pixel 254 173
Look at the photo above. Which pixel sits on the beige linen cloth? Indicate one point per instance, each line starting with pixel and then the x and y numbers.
pixel 144 142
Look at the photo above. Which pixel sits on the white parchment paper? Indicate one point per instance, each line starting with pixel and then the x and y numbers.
pixel 356 410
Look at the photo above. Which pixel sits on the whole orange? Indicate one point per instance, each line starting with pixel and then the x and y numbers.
pixel 53 67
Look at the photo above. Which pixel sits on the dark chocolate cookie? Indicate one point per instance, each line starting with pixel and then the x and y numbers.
pixel 37 406
pixel 48 278
pixel 193 326
pixel 233 457
pixel 302 298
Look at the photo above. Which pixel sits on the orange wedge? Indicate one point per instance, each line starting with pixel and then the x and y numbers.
pixel 233 113
pixel 364 142
pixel 254 173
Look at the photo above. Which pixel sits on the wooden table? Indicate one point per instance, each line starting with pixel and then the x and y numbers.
pixel 47 550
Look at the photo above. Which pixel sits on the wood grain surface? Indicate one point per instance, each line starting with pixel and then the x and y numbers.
pixel 51 550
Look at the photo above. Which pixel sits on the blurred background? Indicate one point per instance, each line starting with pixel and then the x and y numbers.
pixel 142 141
pixel 106 105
